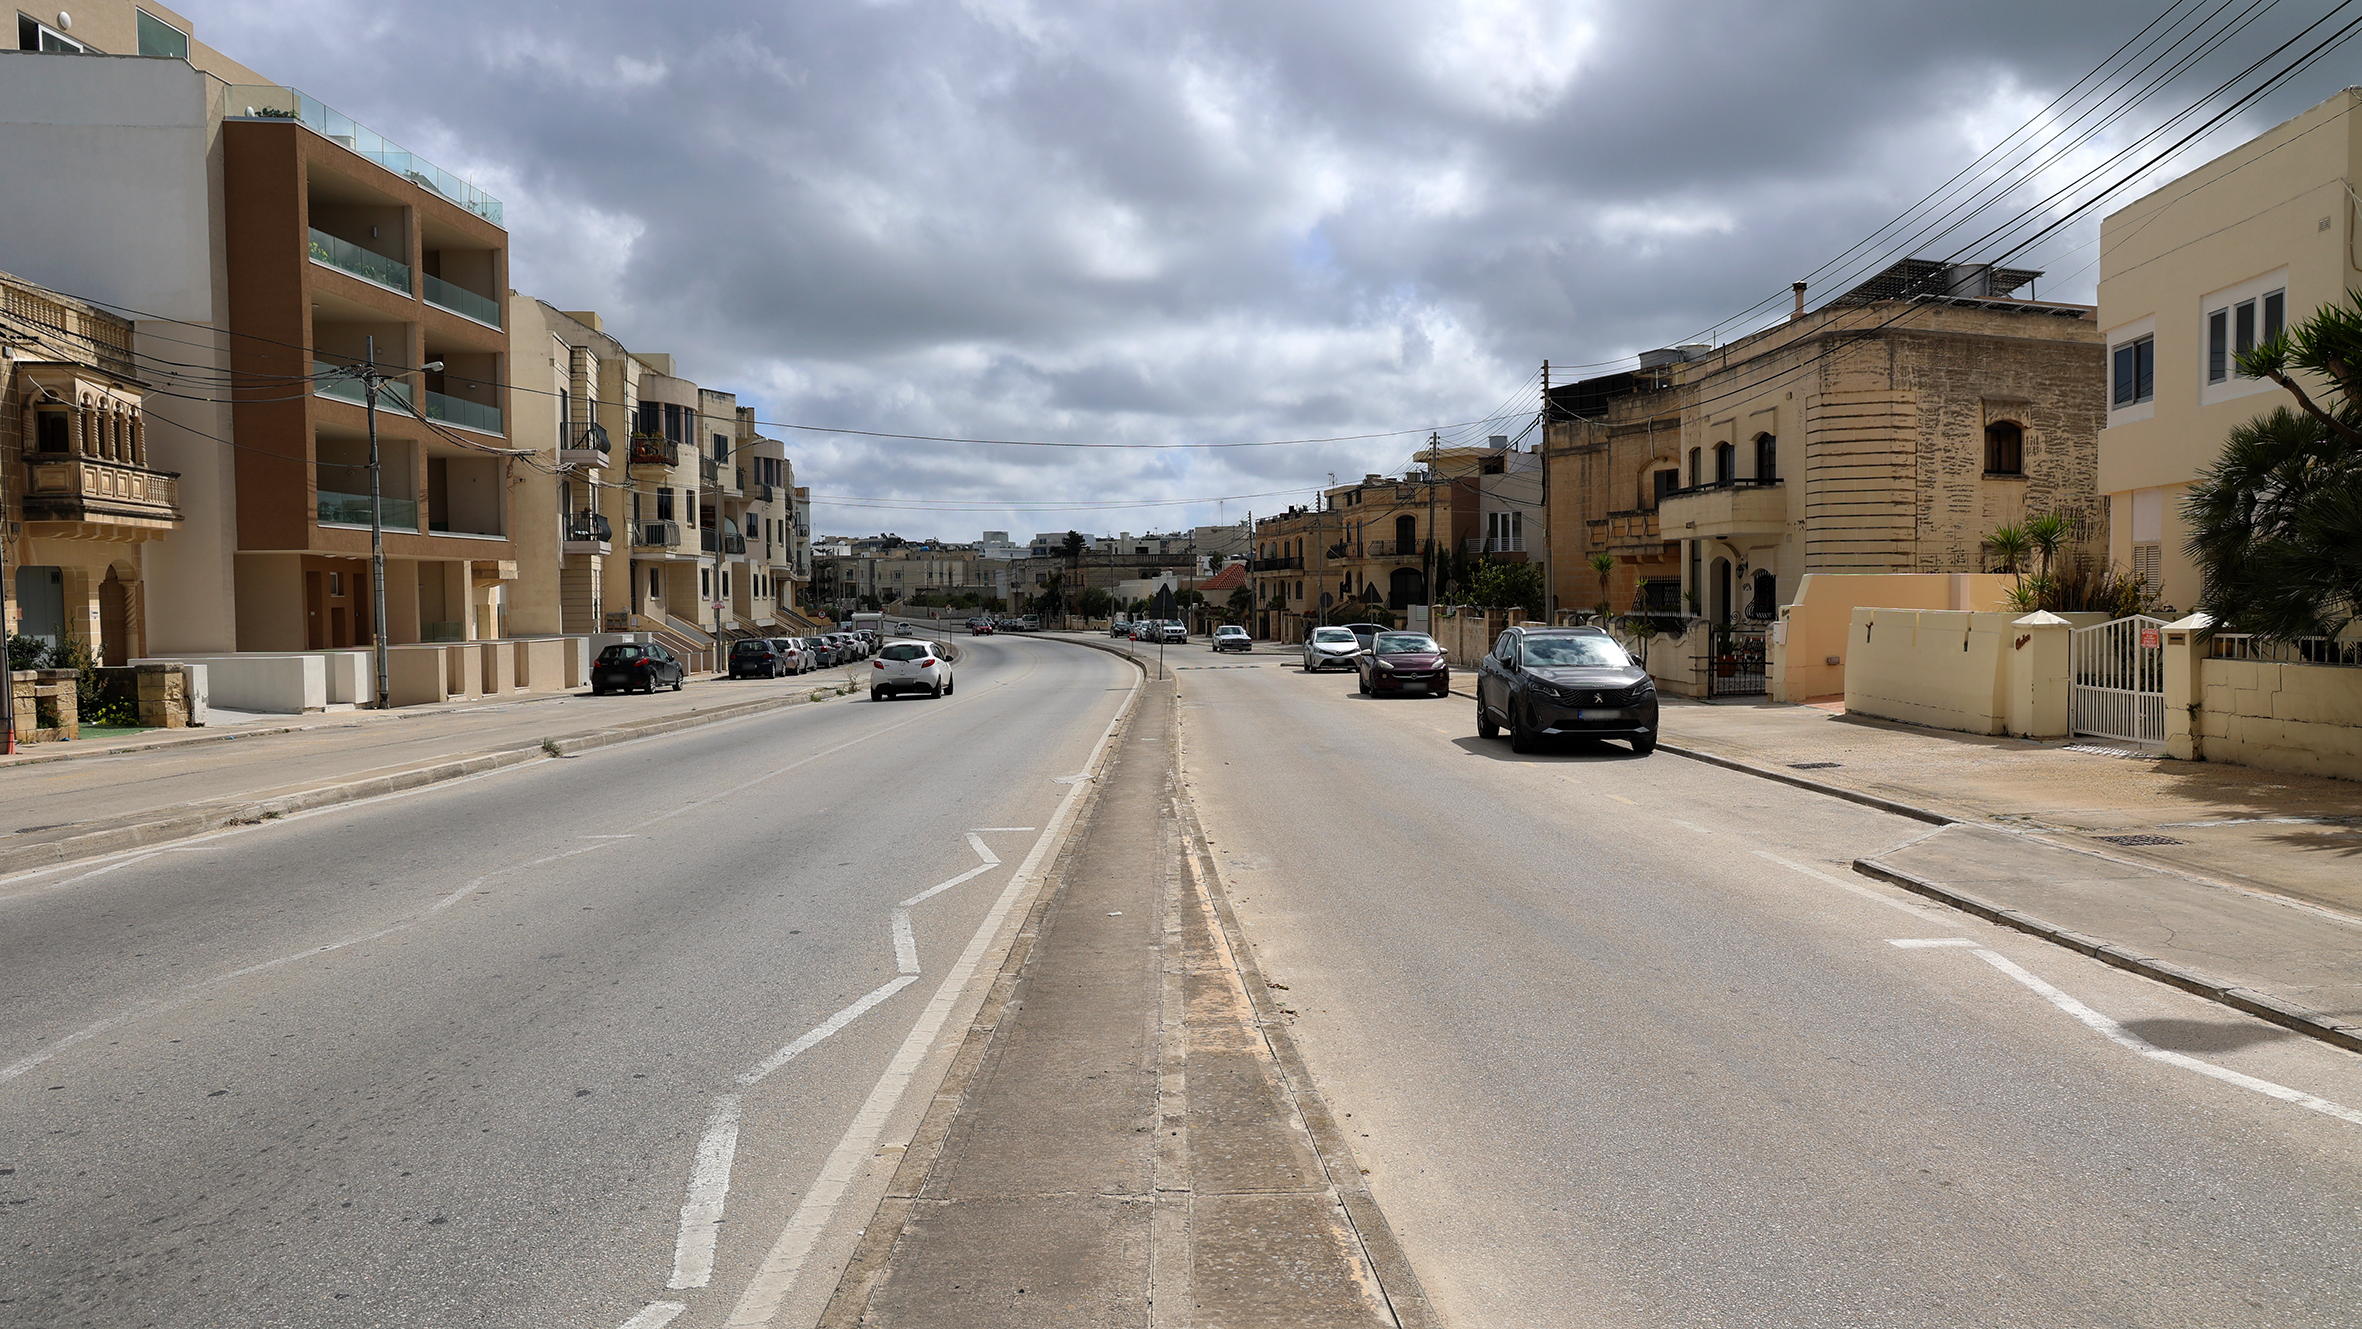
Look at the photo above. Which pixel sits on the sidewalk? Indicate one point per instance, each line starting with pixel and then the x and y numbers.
pixel 94 799
pixel 2240 885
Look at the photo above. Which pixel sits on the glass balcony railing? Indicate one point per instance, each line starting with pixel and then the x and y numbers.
pixel 401 514
pixel 271 102
pixel 395 395
pixel 462 301
pixel 462 412
pixel 337 253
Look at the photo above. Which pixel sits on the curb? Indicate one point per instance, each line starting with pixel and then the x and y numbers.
pixel 2262 1005
pixel 199 819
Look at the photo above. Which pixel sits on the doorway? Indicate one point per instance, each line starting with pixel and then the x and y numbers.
pixel 1719 611
pixel 114 620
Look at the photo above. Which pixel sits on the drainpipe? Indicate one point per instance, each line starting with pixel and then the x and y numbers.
pixel 1798 288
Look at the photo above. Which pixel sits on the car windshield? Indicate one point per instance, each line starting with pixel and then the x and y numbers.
pixel 1333 634
pixel 905 652
pixel 1576 652
pixel 750 647
pixel 1407 643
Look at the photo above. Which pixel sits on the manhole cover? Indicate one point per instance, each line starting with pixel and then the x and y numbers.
pixel 2139 839
pixel 1813 765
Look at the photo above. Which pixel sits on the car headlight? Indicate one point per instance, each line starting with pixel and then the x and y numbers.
pixel 1384 667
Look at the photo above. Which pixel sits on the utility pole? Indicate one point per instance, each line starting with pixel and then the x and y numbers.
pixel 1434 559
pixel 7 627
pixel 1549 580
pixel 372 382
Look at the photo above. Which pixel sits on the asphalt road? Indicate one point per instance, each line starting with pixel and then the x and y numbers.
pixel 462 1057
pixel 1622 1041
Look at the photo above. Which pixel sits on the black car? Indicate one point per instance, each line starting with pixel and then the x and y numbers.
pixel 758 657
pixel 630 666
pixel 1545 682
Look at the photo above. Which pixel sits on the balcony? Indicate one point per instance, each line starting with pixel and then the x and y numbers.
pixel 366 264
pixel 709 472
pixel 654 450
pixel 1292 563
pixel 588 533
pixel 1476 545
pixel 460 300
pixel 335 381
pixel 401 514
pixel 733 544
pixel 1630 534
pixel 590 448
pixel 462 412
pixel 656 535
pixel 1724 509
pixel 272 102
pixel 1397 548
pixel 97 492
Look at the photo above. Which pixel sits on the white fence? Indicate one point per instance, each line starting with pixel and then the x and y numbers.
pixel 2118 674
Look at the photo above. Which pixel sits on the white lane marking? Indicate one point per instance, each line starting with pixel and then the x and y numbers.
pixel 1916 943
pixel 1854 886
pixel 784 1263
pixel 987 830
pixel 2134 1043
pixel 819 1033
pixel 709 1188
pixel 906 946
pixel 656 1316
pixel 94 872
pixel 1691 825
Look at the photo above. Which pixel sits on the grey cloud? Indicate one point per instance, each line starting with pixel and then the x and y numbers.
pixel 1119 221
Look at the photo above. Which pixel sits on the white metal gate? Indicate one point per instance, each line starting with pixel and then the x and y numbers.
pixel 2117 670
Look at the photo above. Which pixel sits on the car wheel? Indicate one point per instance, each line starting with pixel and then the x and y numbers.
pixel 677 681
pixel 1362 683
pixel 597 691
pixel 1641 747
pixel 950 686
pixel 875 695
pixel 937 694
pixel 1485 728
pixel 1521 739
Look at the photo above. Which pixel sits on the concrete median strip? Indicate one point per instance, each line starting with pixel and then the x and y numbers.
pixel 163 825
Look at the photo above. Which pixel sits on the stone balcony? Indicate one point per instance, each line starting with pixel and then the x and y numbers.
pixel 1720 511
pixel 99 499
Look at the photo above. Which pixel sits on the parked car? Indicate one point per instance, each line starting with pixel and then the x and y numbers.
pixel 1404 664
pixel 630 666
pixel 1119 630
pixel 1329 648
pixel 758 657
pixel 799 660
pixel 1364 633
pixel 1544 682
pixel 832 648
pixel 980 628
pixel 1029 623
pixel 909 666
pixel 1232 637
pixel 1172 630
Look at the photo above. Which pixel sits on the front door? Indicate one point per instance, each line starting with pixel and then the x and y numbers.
pixel 315 611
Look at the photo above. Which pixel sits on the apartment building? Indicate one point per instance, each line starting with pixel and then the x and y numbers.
pixel 2192 274
pixel 1288 569
pixel 1889 431
pixel 80 503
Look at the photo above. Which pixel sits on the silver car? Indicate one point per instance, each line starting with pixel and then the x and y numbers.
pixel 1330 648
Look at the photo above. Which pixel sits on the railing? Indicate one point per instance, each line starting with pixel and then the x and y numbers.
pixel 709 472
pixel 344 387
pixel 462 412
pixel 350 257
pixel 708 539
pixel 593 439
pixel 654 450
pixel 1292 563
pixel 656 535
pixel 1735 482
pixel 401 514
pixel 733 544
pixel 65 487
pixel 761 491
pixel 1494 544
pixel 2343 651
pixel 462 301
pixel 272 102
pixel 1397 548
pixel 585 526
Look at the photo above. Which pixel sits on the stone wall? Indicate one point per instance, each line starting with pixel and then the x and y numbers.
pixel 46 702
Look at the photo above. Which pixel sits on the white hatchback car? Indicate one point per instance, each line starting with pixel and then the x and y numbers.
pixel 1330 648
pixel 909 666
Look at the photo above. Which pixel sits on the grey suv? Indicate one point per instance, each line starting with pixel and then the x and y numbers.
pixel 1551 682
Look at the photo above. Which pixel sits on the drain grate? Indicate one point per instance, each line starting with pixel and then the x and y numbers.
pixel 2102 750
pixel 2139 839
pixel 1814 765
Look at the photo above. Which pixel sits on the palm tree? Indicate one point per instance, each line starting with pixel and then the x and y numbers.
pixel 2010 547
pixel 2048 534
pixel 1603 563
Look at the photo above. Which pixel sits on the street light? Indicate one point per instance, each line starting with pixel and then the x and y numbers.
pixel 372 381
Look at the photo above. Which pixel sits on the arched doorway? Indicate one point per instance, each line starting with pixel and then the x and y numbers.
pixel 1405 587
pixel 114 619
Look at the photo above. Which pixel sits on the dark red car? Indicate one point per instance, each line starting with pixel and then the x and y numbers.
pixel 1404 664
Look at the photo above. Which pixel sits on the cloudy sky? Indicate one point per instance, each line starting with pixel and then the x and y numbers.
pixel 1233 221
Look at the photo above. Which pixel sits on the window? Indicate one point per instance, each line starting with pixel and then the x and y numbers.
pixel 2148 567
pixel 2275 313
pixel 636 496
pixel 664 505
pixel 721 447
pixel 2134 366
pixel 1723 455
pixel 2005 449
pixel 1764 603
pixel 53 426
pixel 1665 482
pixel 1697 471
pixel 1661 595
pixel 705 583
pixel 2231 333
pixel 156 37
pixel 34 35
pixel 335 579
pixel 1767 458
pixel 656 583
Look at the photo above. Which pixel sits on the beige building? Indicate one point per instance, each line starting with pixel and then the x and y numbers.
pixel 80 502
pixel 1889 431
pixel 2192 274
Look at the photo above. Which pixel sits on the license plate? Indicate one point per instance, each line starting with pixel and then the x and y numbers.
pixel 1599 715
